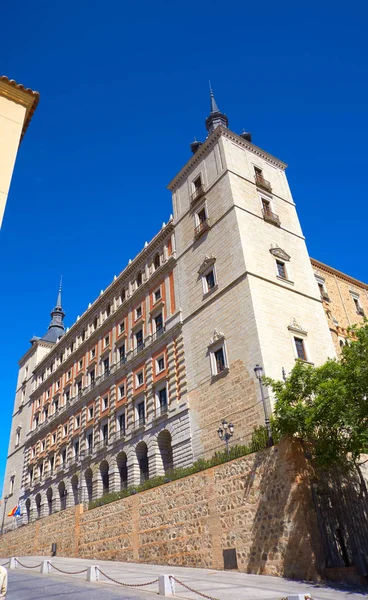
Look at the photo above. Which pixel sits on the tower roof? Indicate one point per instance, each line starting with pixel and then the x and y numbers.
pixel 216 117
pixel 56 328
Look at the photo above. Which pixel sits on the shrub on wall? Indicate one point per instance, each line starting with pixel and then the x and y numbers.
pixel 258 442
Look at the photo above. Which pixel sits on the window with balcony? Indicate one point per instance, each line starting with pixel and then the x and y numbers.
pixel 58 384
pixel 66 396
pixel 141 413
pixel 162 399
pixel 159 323
pixel 122 353
pixel 139 339
pixel 268 213
pixel 79 387
pixel 198 190
pixel 300 348
pixel 156 261
pixel 260 180
pixel 89 440
pixel 92 377
pixel 56 405
pixel 53 438
pixel 65 431
pixel 201 222
pixel 69 374
pixel 93 353
pixel 121 423
pixel 76 448
pixel 105 433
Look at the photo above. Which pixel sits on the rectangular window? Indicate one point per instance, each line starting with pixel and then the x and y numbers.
pixel 160 364
pixel 69 374
pixel 138 312
pixel 140 378
pixel 300 348
pixel 77 422
pixel 67 396
pixel 105 403
pixel 58 384
pixel 197 183
pixel 107 341
pixel 210 280
pixel 53 438
pixel 48 394
pixel 92 377
pixel 65 431
pixel 105 432
pixel 80 364
pixel 106 365
pixel 76 448
pixel 157 295
pixel 122 327
pixel 219 360
pixel 281 270
pixel 90 441
pixel 90 413
pixel 122 353
pixel 56 405
pixel 93 353
pixel 121 391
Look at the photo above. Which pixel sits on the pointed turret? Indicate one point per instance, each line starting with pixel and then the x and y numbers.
pixel 56 328
pixel 216 117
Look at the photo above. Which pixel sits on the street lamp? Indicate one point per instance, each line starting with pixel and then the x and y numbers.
pixel 225 432
pixel 6 498
pixel 259 372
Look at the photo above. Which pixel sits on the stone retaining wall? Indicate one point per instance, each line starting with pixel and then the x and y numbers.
pixel 259 504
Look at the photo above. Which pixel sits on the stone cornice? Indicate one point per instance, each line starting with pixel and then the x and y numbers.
pixel 320 265
pixel 209 143
pixel 18 93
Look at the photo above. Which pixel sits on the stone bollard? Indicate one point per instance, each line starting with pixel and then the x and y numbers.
pixel 166 586
pixel 45 567
pixel 92 573
pixel 13 562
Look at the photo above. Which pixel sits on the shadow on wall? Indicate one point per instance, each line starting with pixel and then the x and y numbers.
pixel 284 537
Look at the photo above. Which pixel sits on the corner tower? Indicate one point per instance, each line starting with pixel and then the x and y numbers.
pixel 17 105
pixel 247 289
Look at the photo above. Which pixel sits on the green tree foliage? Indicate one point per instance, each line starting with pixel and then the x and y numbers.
pixel 327 406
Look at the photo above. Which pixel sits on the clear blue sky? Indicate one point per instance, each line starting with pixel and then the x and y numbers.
pixel 124 90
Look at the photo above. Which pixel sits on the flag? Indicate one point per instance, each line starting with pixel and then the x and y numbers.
pixel 15 511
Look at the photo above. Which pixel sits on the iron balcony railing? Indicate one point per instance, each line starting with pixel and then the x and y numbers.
pixel 263 183
pixel 162 410
pixel 325 296
pixel 360 311
pixel 271 217
pixel 140 422
pixel 158 333
pixel 202 227
pixel 138 349
pixel 198 193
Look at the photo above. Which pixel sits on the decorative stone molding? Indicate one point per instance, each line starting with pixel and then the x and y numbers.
pixel 206 264
pixel 218 336
pixel 279 253
pixel 294 326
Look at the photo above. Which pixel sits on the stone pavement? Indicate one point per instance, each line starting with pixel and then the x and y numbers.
pixel 224 585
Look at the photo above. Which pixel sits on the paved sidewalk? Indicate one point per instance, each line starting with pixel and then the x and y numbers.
pixel 224 585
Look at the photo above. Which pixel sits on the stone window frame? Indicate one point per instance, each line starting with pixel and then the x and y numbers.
pixel 357 303
pixel 119 414
pixel 17 435
pixel 202 205
pixel 218 342
pixel 208 265
pixel 157 367
pixel 297 331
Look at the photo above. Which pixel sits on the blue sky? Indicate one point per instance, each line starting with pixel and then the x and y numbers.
pixel 124 90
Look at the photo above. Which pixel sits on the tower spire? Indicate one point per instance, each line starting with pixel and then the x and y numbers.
pixel 56 328
pixel 216 117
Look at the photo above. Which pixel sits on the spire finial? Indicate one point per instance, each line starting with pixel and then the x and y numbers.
pixel 56 328
pixel 216 117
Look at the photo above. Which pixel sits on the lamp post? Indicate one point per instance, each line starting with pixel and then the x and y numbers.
pixel 225 432
pixel 259 372
pixel 6 498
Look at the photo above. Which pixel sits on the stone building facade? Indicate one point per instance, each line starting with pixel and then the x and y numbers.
pixel 141 381
pixel 17 105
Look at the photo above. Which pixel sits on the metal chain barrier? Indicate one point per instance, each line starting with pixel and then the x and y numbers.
pixel 191 589
pixel 28 566
pixel 66 572
pixel 5 564
pixel 125 584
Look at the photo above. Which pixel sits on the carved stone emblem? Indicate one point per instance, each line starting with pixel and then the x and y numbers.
pixel 279 253
pixel 294 326
pixel 217 336
pixel 206 264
